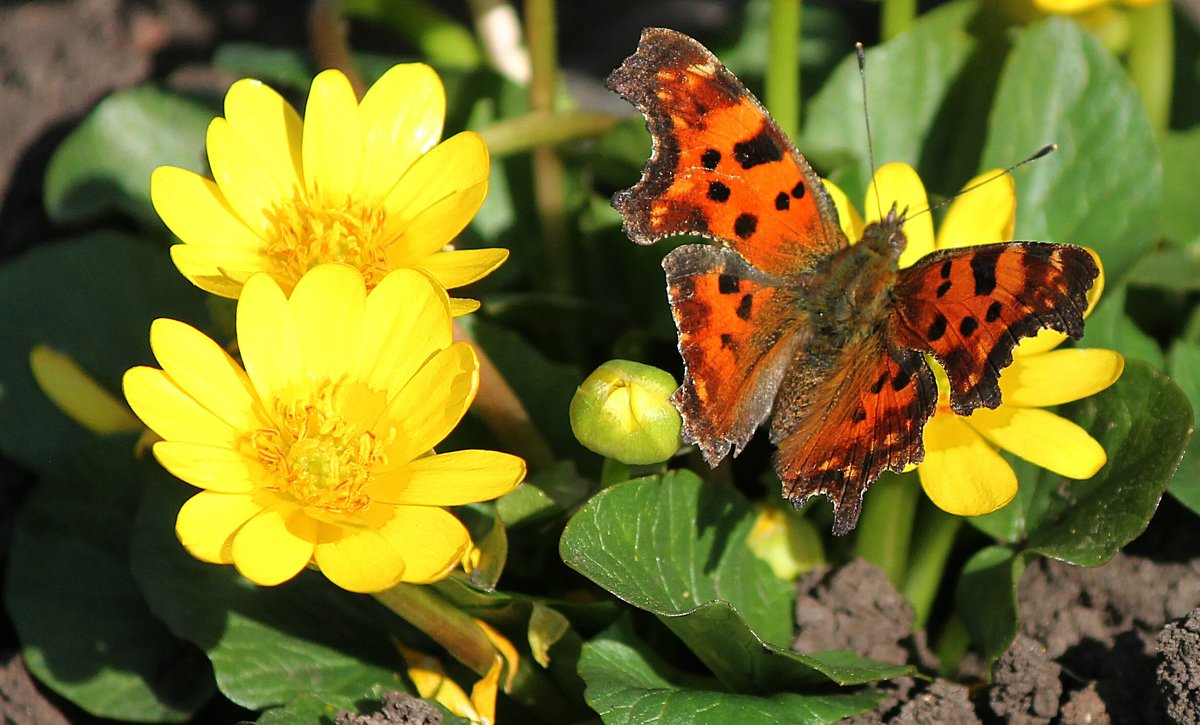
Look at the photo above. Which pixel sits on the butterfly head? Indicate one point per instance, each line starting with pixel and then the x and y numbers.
pixel 886 236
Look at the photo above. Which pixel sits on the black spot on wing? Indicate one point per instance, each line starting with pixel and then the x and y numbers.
pixel 746 306
pixel 983 268
pixel 782 202
pixel 968 326
pixel 710 159
pixel 878 384
pixel 727 284
pixel 718 192
pixel 798 190
pixel 761 148
pixel 745 225
pixel 943 288
pixel 993 311
pixel 937 329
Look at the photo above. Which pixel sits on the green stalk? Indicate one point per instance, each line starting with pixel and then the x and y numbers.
pixel 1151 60
pixel 783 65
pixel 885 527
pixel 329 43
pixel 933 539
pixel 898 16
pixel 543 128
pixel 613 471
pixel 951 646
pixel 446 624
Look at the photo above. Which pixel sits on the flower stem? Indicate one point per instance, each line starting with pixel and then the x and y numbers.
pixel 951 645
pixel 613 471
pixel 440 38
pixel 503 413
pixel 783 65
pixel 885 528
pixel 549 179
pixel 932 542
pixel 446 624
pixel 330 44
pixel 898 16
pixel 1151 60
pixel 543 128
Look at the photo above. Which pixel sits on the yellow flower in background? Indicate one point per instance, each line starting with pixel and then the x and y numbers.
pixel 320 450
pixel 1108 20
pixel 366 184
pixel 963 472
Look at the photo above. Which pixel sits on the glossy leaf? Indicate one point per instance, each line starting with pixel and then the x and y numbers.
pixel 677 546
pixel 629 683
pixel 987 599
pixel 104 165
pixel 1180 159
pixel 85 630
pixel 1103 186
pixel 1183 363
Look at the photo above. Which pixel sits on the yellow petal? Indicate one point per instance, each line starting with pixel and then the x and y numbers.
pixel 961 473
pixel 1059 376
pixel 78 395
pixel 1067 6
pixel 438 196
pixel 250 190
pixel 213 468
pixel 275 545
pixel 360 560
pixel 205 372
pixel 430 540
pixel 207 522
pixel 1042 438
pixel 328 305
pixel 433 402
pixel 401 117
pixel 268 338
pixel 462 266
pixel 848 217
pixel 983 215
pixel 219 270
pixel 196 211
pixel 260 115
pixel 453 479
pixel 897 183
pixel 462 306
pixel 332 146
pixel 170 412
pixel 405 323
pixel 483 694
pixel 506 650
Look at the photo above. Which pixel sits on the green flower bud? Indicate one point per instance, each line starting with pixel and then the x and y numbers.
pixel 624 411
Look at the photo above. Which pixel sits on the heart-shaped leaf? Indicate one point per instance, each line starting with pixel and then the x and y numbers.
pixel 85 629
pixel 628 683
pixel 1103 187
pixel 677 547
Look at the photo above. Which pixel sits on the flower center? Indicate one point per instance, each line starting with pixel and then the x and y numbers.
pixel 318 457
pixel 313 229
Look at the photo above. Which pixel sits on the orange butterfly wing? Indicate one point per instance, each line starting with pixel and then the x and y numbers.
pixel 720 166
pixel 969 307
pixel 838 433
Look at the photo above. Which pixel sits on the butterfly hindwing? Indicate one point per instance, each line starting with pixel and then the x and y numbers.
pixel 969 307
pixel 720 166
pixel 864 419
pixel 737 330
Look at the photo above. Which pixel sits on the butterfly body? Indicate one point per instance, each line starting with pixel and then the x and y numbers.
pixel 783 319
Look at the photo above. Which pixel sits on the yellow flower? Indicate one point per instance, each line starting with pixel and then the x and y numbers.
pixel 366 184
pixel 1108 20
pixel 963 473
pixel 319 451
pixel 432 683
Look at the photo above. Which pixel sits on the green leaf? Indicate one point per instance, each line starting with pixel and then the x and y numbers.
pixel 1180 159
pixel 308 707
pixel 911 78
pixel 1110 327
pixel 628 683
pixel 677 547
pixel 93 298
pixel 1142 422
pixel 85 629
pixel 104 165
pixel 1183 362
pixel 267 645
pixel 987 599
pixel 1176 269
pixel 1103 187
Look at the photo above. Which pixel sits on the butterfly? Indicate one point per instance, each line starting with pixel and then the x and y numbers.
pixel 783 318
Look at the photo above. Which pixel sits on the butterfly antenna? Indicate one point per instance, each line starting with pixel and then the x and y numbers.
pixel 1043 151
pixel 862 77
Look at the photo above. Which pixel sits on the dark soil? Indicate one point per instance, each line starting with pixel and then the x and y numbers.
pixel 1119 643
pixel 1115 644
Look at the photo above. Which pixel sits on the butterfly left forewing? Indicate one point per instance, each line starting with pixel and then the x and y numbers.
pixel 970 307
pixel 864 419
pixel 720 167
